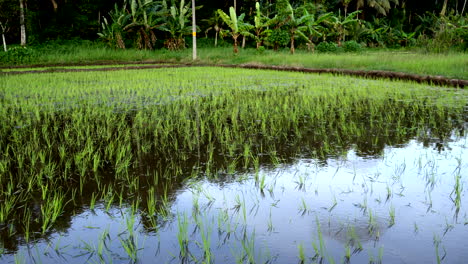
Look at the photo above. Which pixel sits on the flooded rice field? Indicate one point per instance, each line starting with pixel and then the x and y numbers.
pixel 210 165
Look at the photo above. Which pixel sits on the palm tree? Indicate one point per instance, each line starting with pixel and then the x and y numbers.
pixel 236 24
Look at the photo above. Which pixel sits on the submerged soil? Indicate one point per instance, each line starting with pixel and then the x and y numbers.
pixel 431 79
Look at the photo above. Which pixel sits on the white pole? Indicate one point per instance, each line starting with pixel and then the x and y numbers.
pixel 4 43
pixel 194 32
pixel 22 26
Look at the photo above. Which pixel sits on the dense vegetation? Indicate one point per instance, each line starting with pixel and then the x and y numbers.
pixel 319 25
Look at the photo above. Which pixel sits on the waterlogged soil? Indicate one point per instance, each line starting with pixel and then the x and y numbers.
pixel 391 193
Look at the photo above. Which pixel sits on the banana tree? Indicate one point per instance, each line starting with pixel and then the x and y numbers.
pixel 237 26
pixel 373 32
pixel 261 25
pixel 297 25
pixel 178 25
pixel 406 38
pixel 341 24
pixel 215 23
pixel 146 17
pixel 113 32
pixel 315 26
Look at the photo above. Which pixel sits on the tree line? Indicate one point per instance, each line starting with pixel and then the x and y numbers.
pixel 322 24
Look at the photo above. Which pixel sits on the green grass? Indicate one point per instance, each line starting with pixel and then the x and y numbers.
pixel 57 68
pixel 454 65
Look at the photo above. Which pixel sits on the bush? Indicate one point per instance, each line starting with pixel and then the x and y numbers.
pixel 351 46
pixel 448 33
pixel 278 38
pixel 327 47
pixel 16 55
pixel 261 50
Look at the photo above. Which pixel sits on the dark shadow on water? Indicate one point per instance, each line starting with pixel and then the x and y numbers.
pixel 165 171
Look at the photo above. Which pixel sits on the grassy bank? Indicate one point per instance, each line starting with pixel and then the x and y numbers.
pixel 452 65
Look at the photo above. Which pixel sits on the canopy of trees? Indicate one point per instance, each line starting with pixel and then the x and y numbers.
pixel 150 24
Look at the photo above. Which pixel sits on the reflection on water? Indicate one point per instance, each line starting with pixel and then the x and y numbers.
pixel 329 177
pixel 267 215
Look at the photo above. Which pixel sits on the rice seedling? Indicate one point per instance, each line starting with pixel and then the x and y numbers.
pixel 262 184
pixel 130 141
pixel 301 253
pixel 20 258
pixel 271 227
pixel 248 246
pixel 335 203
pixel 51 210
pixel 130 245
pixel 391 213
pixel 322 254
pixel 437 243
pixel 372 226
pixel 205 232
pixel 303 207
pixel 457 190
pixel 347 253
pixel 447 227
pixel 182 235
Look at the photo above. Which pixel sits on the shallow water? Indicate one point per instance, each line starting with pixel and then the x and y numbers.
pixel 377 180
pixel 298 198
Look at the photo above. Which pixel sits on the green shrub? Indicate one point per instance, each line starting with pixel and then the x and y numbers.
pixel 327 47
pixel 16 55
pixel 278 38
pixel 446 33
pixel 261 49
pixel 351 46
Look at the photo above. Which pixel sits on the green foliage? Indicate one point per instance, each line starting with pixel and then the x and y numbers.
pixel 297 25
pixel 450 32
pixel 373 33
pixel 17 55
pixel 261 25
pixel 261 49
pixel 177 24
pixel 351 46
pixel 339 26
pixel 382 7
pixel 327 47
pixel 278 38
pixel 214 23
pixel 236 24
pixel 442 34
pixel 112 33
